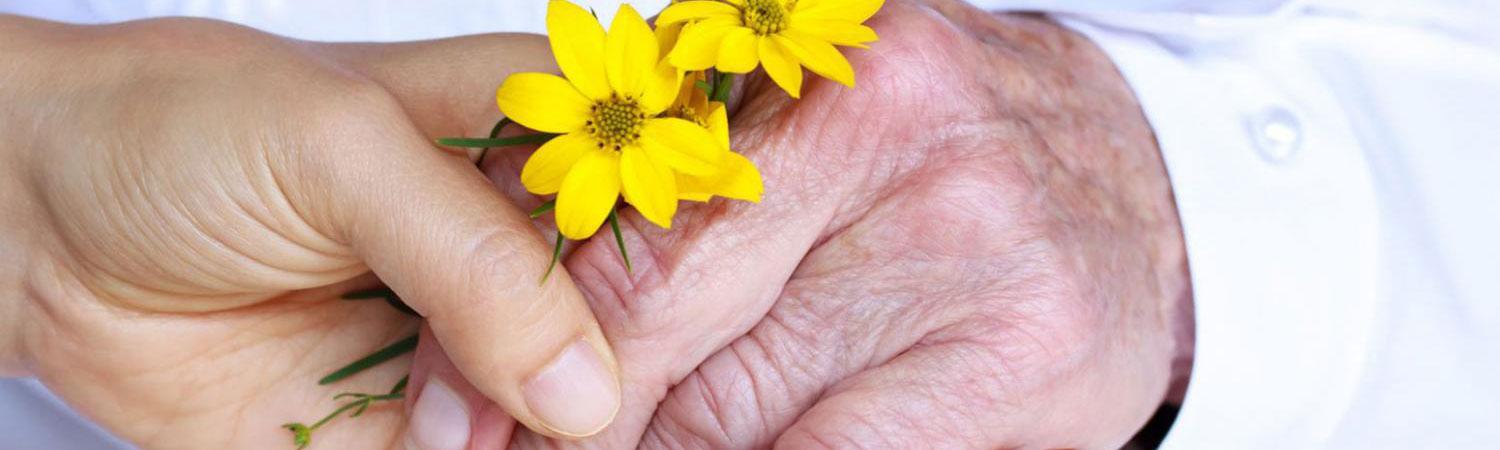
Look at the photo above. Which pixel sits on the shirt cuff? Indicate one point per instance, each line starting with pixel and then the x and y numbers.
pixel 1280 223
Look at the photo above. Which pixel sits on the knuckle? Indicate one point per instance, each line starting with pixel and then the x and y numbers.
pixel 341 97
pixel 852 432
pixel 741 397
pixel 719 405
pixel 1048 322
pixel 683 423
pixel 640 303
pixel 488 259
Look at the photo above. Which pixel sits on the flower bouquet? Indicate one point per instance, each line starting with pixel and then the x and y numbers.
pixel 639 117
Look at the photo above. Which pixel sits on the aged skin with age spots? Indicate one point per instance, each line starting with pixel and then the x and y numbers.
pixel 977 248
pixel 967 258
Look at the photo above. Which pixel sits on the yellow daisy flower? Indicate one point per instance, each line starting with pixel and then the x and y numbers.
pixel 611 141
pixel 740 179
pixel 781 35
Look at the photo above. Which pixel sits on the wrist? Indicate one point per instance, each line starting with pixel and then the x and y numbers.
pixel 1125 163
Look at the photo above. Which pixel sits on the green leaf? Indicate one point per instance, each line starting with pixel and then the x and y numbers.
pixel 535 213
pixel 556 255
pixel 388 353
pixel 496 142
pixel 614 225
pixel 703 85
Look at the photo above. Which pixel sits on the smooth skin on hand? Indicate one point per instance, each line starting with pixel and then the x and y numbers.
pixel 976 247
pixel 183 201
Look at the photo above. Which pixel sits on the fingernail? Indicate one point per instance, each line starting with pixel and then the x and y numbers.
pixel 576 394
pixel 439 420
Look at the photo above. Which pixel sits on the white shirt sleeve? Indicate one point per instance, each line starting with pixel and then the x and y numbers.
pixel 1333 164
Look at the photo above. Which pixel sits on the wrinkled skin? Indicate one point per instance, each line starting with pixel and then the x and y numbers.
pixel 975 248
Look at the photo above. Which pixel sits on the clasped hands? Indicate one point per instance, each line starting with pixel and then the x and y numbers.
pixel 977 248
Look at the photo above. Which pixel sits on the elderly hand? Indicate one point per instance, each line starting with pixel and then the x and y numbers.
pixel 975 248
pixel 184 199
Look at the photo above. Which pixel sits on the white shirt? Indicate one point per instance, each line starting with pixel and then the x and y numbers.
pixel 1335 164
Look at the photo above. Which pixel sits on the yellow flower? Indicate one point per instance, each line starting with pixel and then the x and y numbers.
pixel 740 179
pixel 737 35
pixel 612 143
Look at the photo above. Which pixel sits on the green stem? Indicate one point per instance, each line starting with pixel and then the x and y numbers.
pixel 614 225
pixel 556 255
pixel 496 142
pixel 398 348
pixel 363 402
pixel 385 293
pixel 535 213
pixel 302 434
pixel 494 133
pixel 400 386
pixel 367 294
pixel 722 87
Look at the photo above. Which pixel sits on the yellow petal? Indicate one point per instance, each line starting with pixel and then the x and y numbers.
pixel 837 33
pixel 630 50
pixel 697 98
pixel 818 56
pixel 649 185
pixel 698 47
pixel 661 88
pixel 740 180
pixel 781 66
pixel 693 196
pixel 545 169
pixel 578 44
pixel 588 194
pixel 688 90
pixel 685 11
pixel 737 53
pixel 718 124
pixel 666 37
pixel 684 146
pixel 853 11
pixel 694 189
pixel 542 102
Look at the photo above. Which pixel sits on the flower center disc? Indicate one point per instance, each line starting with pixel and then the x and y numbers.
pixel 616 122
pixel 764 16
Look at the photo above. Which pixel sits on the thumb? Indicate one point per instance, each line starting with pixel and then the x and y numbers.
pixel 440 236
pixel 446 86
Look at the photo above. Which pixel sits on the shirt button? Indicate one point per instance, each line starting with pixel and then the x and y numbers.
pixel 1276 132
